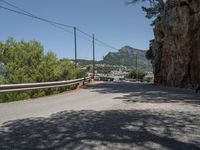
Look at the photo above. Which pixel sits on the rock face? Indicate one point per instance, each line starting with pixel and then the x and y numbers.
pixel 176 48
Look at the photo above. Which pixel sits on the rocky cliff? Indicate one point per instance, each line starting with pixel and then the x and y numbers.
pixel 176 48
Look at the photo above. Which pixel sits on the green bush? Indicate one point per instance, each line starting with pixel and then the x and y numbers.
pixel 140 74
pixel 26 62
pixel 149 79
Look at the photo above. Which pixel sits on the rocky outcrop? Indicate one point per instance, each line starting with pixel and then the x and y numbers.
pixel 176 48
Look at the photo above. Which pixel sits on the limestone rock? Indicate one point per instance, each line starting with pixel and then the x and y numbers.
pixel 176 47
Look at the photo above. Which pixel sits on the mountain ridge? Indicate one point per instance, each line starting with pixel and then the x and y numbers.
pixel 126 56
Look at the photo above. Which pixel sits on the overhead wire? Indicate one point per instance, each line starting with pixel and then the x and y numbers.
pixel 100 43
pixel 56 24
pixel 23 12
pixel 31 15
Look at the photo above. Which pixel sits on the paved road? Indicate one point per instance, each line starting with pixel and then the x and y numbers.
pixel 104 116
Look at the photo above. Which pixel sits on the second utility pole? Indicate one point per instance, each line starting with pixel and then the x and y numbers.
pixel 75 46
pixel 136 63
pixel 93 41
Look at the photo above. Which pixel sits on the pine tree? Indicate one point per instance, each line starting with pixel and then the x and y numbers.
pixel 155 8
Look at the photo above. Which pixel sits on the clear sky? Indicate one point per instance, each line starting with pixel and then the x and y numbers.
pixel 111 20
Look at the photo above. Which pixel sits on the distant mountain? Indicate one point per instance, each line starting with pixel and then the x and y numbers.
pixel 127 56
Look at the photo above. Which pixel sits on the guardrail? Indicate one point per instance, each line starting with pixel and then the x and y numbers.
pixel 42 85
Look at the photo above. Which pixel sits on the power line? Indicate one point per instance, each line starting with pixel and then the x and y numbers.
pixel 101 43
pixel 105 44
pixel 86 34
pixel 55 24
pixel 25 13
pixel 16 7
pixel 48 21
pixel 51 22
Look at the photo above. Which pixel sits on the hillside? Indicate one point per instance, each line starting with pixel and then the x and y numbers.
pixel 127 56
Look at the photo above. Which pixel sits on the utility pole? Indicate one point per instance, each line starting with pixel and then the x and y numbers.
pixel 75 46
pixel 136 65
pixel 93 41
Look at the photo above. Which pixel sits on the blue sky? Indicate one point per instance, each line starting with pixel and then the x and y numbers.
pixel 111 20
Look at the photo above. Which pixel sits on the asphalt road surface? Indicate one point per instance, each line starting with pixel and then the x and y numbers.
pixel 104 116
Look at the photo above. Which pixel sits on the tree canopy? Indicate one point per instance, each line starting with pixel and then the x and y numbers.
pixel 153 9
pixel 26 62
pixel 140 74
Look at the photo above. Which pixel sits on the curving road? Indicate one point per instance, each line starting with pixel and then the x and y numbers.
pixel 104 116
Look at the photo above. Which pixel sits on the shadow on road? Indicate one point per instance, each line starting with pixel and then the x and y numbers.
pixel 147 93
pixel 114 129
